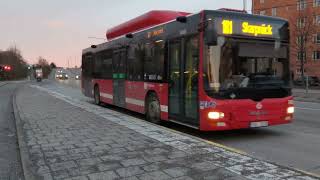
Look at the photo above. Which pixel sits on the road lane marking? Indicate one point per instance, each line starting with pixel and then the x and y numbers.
pixel 308 173
pixel 311 109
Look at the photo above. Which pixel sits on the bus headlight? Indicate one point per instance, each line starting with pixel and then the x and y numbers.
pixel 215 115
pixel 290 110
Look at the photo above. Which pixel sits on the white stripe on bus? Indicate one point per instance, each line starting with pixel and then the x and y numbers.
pixel 135 102
pixel 138 102
pixel 164 108
pixel 105 95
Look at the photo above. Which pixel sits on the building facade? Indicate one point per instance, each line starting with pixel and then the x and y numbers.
pixel 304 22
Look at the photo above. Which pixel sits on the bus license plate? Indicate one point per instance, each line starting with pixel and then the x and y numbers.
pixel 259 124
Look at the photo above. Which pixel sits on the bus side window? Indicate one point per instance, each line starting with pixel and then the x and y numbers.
pixel 138 62
pixel 154 64
pixel 131 62
pixel 106 67
pixel 87 65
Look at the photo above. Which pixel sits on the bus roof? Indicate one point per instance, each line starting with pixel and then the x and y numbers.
pixel 221 12
pixel 149 19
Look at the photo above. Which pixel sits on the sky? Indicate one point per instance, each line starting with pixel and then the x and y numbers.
pixel 58 30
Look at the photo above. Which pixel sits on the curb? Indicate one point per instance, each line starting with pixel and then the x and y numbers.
pixel 23 148
pixel 3 84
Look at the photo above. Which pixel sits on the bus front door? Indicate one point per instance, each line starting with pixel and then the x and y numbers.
pixel 119 72
pixel 183 80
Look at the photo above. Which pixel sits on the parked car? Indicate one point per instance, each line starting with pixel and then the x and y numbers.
pixel 315 80
pixel 312 81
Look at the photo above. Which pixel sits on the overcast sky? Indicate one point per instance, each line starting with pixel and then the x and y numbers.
pixel 58 30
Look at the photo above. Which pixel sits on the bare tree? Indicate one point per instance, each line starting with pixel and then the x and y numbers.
pixel 13 58
pixel 303 28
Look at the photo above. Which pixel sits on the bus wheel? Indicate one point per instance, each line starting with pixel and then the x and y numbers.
pixel 153 109
pixel 96 95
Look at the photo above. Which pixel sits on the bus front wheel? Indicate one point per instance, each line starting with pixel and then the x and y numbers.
pixel 96 95
pixel 153 109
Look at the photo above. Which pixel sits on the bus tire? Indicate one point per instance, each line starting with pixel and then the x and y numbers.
pixel 97 95
pixel 153 112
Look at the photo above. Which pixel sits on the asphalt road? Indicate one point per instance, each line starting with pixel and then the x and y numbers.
pixel 71 81
pixel 10 166
pixel 296 145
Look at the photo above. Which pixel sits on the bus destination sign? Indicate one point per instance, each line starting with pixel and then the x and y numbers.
pixel 257 30
pixel 232 27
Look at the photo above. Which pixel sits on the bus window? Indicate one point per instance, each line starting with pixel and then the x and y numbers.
pixel 154 61
pixel 87 65
pixel 137 66
pixel 235 66
pixel 97 69
pixel 106 64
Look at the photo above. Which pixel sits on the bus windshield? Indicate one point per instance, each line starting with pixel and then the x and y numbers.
pixel 237 69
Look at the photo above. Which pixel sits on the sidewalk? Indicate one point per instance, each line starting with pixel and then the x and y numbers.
pixel 69 139
pixel 311 96
pixel 2 83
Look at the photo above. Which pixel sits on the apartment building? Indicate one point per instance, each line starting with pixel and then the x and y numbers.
pixel 304 20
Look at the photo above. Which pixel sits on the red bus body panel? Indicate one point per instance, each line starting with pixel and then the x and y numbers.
pixel 144 21
pixel 238 114
pixel 135 94
pixel 106 89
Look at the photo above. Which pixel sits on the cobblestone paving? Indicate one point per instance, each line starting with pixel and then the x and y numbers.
pixel 71 139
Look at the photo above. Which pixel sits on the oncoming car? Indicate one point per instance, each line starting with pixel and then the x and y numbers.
pixel 62 76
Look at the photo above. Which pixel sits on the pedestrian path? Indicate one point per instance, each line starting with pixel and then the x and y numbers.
pixel 71 139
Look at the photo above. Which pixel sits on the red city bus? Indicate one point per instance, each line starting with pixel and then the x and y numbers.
pixel 214 70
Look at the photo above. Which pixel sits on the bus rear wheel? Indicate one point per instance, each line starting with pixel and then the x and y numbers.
pixel 153 109
pixel 97 95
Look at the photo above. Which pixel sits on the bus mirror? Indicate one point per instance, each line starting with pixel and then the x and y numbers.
pixel 129 36
pixel 182 19
pixel 93 46
pixel 211 38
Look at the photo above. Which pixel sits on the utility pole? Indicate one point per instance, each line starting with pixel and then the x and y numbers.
pixel 245 5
